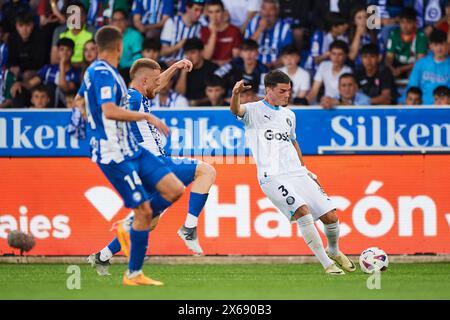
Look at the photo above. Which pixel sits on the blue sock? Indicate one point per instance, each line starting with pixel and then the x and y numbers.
pixel 196 203
pixel 139 243
pixel 114 246
pixel 159 204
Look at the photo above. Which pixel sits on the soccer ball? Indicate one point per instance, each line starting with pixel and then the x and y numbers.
pixel 373 259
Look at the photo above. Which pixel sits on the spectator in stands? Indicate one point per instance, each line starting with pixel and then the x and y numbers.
pixel 406 45
pixel 336 29
pixel 90 54
pixel 178 29
pixel 246 67
pixel 444 24
pixel 323 8
pixel 360 35
pixel 52 12
pixel 271 32
pixel 222 40
pixel 249 96
pixel 27 49
pixel 348 94
pixel 215 92
pixel 3 50
pixel 78 35
pixel 7 79
pixel 428 12
pixel 151 49
pixel 193 84
pixel 168 98
pixel 413 96
pixel 149 16
pixel 60 78
pixel 10 11
pixel 389 11
pixel 40 98
pixel 300 78
pixel 433 70
pixel 441 96
pixel 131 43
pixel 99 12
pixel 329 72
pixel 375 81
pixel 240 12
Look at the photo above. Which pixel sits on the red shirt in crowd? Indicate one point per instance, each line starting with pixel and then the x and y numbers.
pixel 227 40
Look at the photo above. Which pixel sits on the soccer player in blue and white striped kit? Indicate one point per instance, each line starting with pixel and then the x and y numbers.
pixel 146 81
pixel 131 169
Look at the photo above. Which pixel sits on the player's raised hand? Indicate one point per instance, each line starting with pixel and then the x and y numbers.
pixel 184 64
pixel 240 87
pixel 161 126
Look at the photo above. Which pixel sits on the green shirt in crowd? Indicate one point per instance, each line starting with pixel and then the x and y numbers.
pixel 406 52
pixel 132 47
pixel 79 39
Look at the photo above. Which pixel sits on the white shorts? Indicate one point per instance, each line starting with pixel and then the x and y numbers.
pixel 288 193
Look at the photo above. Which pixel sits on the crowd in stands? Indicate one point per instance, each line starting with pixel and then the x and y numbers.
pixel 337 52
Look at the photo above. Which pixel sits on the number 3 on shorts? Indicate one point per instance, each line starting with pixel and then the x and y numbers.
pixel 137 180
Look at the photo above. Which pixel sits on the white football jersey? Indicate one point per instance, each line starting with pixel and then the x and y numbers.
pixel 270 132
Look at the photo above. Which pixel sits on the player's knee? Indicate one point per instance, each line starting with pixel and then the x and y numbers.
pixel 301 212
pixel 206 170
pixel 330 217
pixel 143 216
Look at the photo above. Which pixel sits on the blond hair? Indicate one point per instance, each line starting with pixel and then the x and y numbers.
pixel 143 63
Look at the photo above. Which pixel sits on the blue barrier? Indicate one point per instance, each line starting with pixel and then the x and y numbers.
pixel 215 131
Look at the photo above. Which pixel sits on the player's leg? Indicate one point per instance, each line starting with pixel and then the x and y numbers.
pixel 312 238
pixel 331 226
pixel 285 195
pixel 322 208
pixel 202 176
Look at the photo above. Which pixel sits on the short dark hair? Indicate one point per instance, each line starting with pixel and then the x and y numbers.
pixel 290 49
pixel 191 3
pixel 125 13
pixel 408 14
pixel 215 81
pixel 249 44
pixel 348 75
pixel 438 36
pixel 151 44
pixel 370 49
pixel 334 19
pixel 66 42
pixel 107 38
pixel 339 44
pixel 441 91
pixel 415 90
pixel 274 77
pixel 216 3
pixel 25 18
pixel 41 88
pixel 193 44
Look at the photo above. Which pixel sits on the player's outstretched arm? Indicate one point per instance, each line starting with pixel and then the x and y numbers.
pixel 113 112
pixel 235 105
pixel 167 75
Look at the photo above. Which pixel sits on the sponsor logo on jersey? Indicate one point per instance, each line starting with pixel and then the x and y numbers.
pixel 270 135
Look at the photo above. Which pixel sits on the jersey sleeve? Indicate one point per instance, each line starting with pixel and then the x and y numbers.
pixel 105 88
pixel 294 121
pixel 248 117
pixel 168 8
pixel 319 73
pixel 137 8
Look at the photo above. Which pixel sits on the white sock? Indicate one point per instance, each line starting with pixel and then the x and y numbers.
pixel 105 254
pixel 191 221
pixel 313 240
pixel 332 233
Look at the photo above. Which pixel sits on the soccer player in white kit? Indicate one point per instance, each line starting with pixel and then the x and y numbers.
pixel 282 174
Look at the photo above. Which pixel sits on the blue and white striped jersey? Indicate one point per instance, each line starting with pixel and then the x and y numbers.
pixel 3 55
pixel 152 11
pixel 174 31
pixel 270 42
pixel 146 134
pixel 112 141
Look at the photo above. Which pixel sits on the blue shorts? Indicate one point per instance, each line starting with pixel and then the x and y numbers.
pixel 133 178
pixel 183 168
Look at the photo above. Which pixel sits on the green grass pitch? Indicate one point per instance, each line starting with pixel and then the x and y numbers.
pixel 254 281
